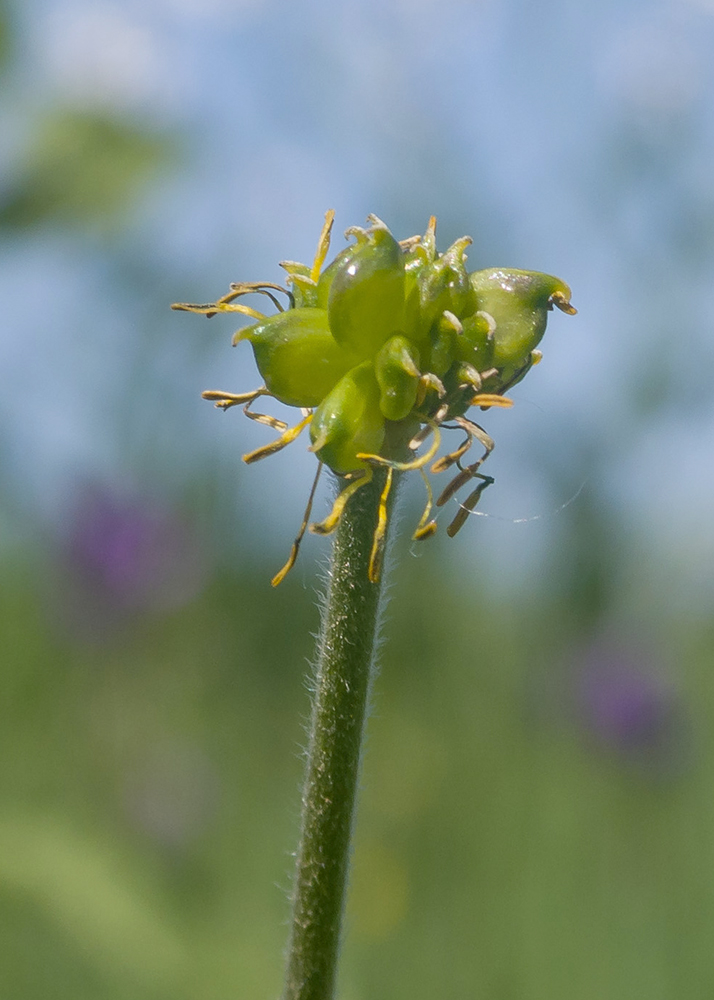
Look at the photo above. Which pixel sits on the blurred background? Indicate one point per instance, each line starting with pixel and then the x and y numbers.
pixel 537 815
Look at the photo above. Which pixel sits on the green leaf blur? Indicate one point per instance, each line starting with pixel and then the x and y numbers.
pixel 82 169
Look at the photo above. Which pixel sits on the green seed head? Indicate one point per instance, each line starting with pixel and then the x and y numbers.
pixel 384 347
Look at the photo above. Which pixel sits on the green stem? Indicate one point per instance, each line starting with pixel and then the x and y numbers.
pixel 346 646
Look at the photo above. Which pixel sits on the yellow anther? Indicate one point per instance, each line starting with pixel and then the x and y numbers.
pixel 327 526
pixel 282 442
pixel 323 245
pixel 418 463
pixel 224 400
pixel 425 528
pixel 467 506
pixel 380 532
pixel 281 574
pixel 491 399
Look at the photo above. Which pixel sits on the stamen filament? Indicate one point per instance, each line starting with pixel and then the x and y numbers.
pixel 491 399
pixel 264 418
pixel 425 528
pixel 283 441
pixel 323 245
pixel 327 526
pixel 215 307
pixel 446 461
pixel 224 400
pixel 468 505
pixel 418 463
pixel 380 532
pixel 281 574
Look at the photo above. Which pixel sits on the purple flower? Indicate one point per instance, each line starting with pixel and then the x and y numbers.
pixel 123 555
pixel 624 702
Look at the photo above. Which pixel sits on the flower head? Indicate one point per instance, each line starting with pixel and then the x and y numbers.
pixel 382 348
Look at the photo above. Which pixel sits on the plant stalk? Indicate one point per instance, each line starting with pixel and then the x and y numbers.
pixel 345 659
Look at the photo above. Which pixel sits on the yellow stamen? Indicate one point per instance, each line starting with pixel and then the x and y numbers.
pixel 491 399
pixel 264 418
pixel 280 576
pixel 327 526
pixel 375 557
pixel 323 245
pixel 224 400
pixel 446 461
pixel 425 528
pixel 283 441
pixel 239 288
pixel 467 506
pixel 215 307
pixel 417 463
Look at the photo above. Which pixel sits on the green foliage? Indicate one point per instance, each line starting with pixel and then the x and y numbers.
pixel 498 853
pixel 82 169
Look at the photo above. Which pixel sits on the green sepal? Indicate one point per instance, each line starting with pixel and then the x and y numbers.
pixel 396 368
pixel 297 355
pixel 349 421
pixel 365 303
pixel 519 302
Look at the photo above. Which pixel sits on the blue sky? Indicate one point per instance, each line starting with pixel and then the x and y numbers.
pixel 570 138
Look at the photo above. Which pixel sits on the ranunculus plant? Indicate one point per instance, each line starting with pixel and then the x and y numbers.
pixel 381 350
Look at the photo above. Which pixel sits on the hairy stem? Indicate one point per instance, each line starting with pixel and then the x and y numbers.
pixel 346 646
